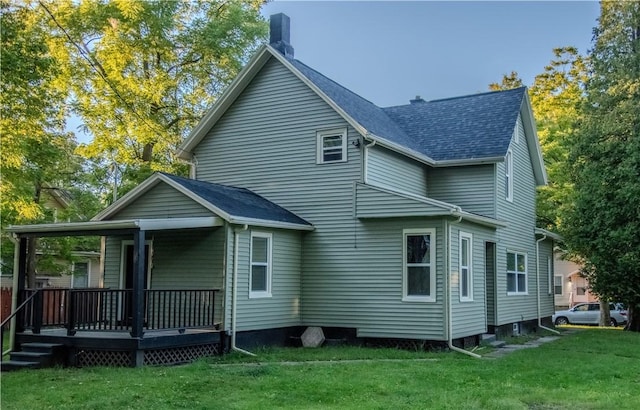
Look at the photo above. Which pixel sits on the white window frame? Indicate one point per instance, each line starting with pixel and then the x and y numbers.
pixel 561 285
pixel 464 236
pixel 73 274
pixel 432 265
pixel 508 176
pixel 321 135
pixel 268 264
pixel 517 273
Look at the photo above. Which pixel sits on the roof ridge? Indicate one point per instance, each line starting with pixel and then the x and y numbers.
pixel 460 97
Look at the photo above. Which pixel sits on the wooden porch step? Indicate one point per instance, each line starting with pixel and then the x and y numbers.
pixel 34 355
pixel 11 365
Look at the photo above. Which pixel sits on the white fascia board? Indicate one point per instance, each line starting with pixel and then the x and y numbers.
pixel 142 224
pixel 271 224
pixel 128 198
pixel 480 220
pixel 224 102
pixel 162 224
pixel 548 234
pixel 531 136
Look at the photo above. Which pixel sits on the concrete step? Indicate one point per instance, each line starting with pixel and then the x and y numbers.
pixel 488 337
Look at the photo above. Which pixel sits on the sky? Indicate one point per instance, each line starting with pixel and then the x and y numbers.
pixel 389 51
pixel 392 51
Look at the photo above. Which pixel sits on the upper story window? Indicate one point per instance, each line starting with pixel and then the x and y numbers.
pixel 260 274
pixel 508 176
pixel 419 262
pixel 466 262
pixel 516 273
pixel 332 146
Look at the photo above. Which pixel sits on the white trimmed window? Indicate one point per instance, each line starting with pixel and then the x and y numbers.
pixel 508 176
pixel 419 261
pixel 516 273
pixel 466 262
pixel 260 273
pixel 557 285
pixel 332 146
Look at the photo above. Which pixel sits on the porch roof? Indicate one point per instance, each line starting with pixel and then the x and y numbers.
pixel 113 227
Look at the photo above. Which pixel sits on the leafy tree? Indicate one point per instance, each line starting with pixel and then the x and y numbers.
pixel 556 96
pixel 36 154
pixel 143 73
pixel 603 224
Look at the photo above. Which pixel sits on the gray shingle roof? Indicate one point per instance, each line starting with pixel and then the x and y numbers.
pixel 469 127
pixel 238 202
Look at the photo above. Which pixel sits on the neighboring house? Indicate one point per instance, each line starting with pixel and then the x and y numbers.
pixel 569 287
pixel 310 206
pixel 86 268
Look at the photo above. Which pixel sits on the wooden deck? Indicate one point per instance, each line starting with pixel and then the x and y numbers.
pixel 109 348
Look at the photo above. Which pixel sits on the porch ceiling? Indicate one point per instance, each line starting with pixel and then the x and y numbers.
pixel 114 227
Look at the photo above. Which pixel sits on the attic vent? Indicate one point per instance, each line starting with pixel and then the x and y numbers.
pixel 417 100
pixel 279 34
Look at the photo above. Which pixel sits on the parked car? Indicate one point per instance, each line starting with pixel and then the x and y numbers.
pixel 589 314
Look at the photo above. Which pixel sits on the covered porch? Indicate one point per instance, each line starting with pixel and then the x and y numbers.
pixel 133 323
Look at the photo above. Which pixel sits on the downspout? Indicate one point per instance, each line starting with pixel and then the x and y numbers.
pixel 448 287
pixel 365 161
pixel 538 285
pixel 234 292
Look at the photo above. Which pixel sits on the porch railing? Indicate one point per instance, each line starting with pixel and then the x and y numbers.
pixel 111 309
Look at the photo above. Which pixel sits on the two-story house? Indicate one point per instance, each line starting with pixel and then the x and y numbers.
pixel 310 206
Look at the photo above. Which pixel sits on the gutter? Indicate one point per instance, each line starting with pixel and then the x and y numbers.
pixel 447 292
pixel 544 236
pixel 234 292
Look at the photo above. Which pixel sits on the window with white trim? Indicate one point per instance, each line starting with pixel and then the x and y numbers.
pixel 332 146
pixel 516 273
pixel 508 176
pixel 80 277
pixel 260 265
pixel 466 262
pixel 557 285
pixel 419 258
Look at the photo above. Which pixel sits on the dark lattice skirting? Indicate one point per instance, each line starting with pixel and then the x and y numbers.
pixel 176 355
pixel 173 355
pixel 86 358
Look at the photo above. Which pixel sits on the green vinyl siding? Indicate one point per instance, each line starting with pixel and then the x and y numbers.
pixel 282 308
pixel 162 201
pixel 547 304
pixel 372 202
pixel 518 236
pixel 470 187
pixel 391 170
pixel 469 317
pixel 352 269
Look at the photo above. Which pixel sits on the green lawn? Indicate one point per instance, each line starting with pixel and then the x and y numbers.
pixel 591 369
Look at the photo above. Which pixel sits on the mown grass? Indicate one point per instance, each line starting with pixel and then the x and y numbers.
pixel 591 369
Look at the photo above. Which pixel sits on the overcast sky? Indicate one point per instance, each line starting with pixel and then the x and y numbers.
pixel 389 52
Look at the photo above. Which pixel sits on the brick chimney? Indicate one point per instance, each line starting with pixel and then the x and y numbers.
pixel 279 34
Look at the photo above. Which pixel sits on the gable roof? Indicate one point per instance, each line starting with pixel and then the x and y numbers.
pixel 235 205
pixel 457 131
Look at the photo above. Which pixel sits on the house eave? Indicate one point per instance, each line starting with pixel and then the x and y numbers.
pixel 548 234
pixel 270 224
pixel 155 224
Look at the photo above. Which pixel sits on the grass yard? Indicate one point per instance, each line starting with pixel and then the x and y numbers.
pixel 591 369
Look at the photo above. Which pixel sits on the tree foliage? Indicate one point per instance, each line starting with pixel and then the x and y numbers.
pixel 143 73
pixel 556 97
pixel 602 225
